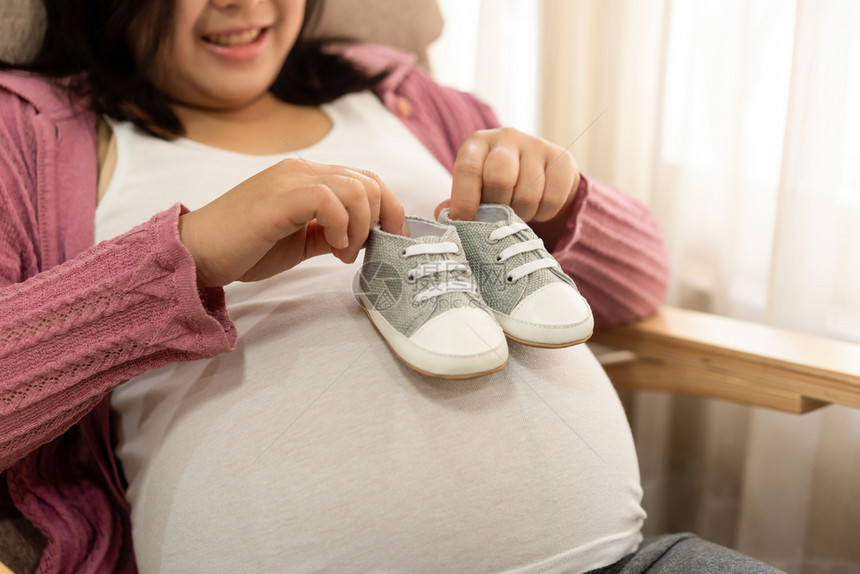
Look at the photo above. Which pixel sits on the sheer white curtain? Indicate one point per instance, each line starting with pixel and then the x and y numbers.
pixel 739 123
pixel 491 50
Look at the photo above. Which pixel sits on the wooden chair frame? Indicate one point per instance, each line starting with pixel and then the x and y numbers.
pixel 701 354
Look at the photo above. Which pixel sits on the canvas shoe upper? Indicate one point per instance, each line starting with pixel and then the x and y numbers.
pixel 420 294
pixel 535 302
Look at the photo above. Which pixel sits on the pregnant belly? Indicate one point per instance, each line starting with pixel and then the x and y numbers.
pixel 313 449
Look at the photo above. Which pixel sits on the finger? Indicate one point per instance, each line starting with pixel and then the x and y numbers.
pixel 285 254
pixel 294 193
pixel 373 189
pixel 529 189
pixel 387 209
pixel 289 210
pixel 330 213
pixel 501 169
pixel 468 178
pixel 561 175
pixel 392 216
pixel 315 241
pixel 326 228
pixel 351 188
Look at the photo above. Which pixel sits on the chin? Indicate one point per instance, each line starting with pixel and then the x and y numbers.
pixel 231 100
pixel 239 101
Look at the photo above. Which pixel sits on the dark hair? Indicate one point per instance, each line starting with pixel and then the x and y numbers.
pixel 87 40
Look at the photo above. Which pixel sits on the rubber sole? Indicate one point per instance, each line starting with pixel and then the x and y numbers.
pixel 579 333
pixel 456 368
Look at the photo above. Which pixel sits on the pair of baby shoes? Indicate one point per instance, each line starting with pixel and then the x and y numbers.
pixel 445 297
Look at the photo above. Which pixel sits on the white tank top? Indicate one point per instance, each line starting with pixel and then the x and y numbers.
pixel 311 448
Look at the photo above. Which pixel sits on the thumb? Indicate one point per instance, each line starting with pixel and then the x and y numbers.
pixel 440 207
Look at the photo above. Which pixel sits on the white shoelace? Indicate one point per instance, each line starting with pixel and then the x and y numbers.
pixel 436 267
pixel 524 247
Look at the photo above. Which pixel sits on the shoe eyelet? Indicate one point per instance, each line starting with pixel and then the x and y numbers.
pixel 491 241
pixel 403 253
pixel 509 279
pixel 498 258
pixel 410 278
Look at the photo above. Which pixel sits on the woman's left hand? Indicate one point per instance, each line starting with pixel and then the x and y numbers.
pixel 536 178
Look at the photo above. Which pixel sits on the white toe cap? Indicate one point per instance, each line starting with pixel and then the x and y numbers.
pixel 460 332
pixel 459 342
pixel 553 304
pixel 555 315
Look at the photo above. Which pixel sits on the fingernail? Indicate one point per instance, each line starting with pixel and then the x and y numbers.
pixel 344 242
pixel 404 230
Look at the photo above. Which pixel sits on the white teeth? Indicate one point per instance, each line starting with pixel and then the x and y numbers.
pixel 234 39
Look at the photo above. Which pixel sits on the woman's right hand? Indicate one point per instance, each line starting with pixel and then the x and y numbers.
pixel 283 215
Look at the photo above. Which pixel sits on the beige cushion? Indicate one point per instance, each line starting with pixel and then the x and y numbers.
pixel 412 26
pixel 21 28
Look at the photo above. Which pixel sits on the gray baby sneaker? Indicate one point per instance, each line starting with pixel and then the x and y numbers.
pixel 535 302
pixel 420 294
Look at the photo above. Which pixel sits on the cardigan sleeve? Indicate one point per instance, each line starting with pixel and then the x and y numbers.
pixel 614 250
pixel 71 334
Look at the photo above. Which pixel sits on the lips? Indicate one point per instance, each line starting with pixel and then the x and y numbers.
pixel 233 38
pixel 236 45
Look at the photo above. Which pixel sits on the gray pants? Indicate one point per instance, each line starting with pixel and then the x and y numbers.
pixel 685 554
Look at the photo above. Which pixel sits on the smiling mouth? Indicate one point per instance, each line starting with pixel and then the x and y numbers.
pixel 234 39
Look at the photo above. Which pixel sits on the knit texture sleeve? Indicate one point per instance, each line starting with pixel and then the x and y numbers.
pixel 614 250
pixel 71 334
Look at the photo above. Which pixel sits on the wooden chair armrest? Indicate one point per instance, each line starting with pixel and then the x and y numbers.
pixel 698 353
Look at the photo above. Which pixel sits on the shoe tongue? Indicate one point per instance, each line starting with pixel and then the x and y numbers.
pixel 450 235
pixel 431 232
pixel 495 213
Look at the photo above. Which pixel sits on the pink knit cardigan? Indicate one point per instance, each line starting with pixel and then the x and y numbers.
pixel 76 320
